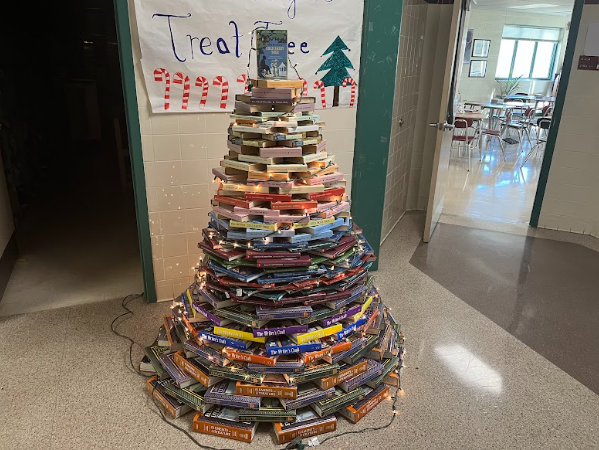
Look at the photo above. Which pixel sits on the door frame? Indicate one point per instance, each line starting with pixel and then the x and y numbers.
pixel 560 100
pixel 378 66
pixel 121 11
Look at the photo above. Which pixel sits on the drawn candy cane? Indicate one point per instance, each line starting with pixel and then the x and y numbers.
pixel 163 75
pixel 181 78
pixel 203 82
pixel 353 90
pixel 243 79
pixel 320 85
pixel 224 96
pixel 305 92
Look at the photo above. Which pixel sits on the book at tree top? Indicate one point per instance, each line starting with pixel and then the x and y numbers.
pixel 283 323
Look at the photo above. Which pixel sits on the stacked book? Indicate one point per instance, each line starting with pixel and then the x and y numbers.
pixel 283 323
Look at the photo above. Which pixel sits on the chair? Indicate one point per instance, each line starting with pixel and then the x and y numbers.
pixel 511 125
pixel 543 124
pixel 461 135
pixel 492 133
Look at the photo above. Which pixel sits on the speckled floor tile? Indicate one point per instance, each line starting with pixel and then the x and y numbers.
pixel 467 384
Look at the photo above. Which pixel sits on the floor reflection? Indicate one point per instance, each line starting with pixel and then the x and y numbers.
pixel 494 189
pixel 469 369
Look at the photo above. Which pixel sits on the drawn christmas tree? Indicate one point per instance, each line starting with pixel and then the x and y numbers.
pixel 338 64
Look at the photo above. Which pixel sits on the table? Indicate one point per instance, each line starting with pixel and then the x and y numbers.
pixel 531 98
pixel 476 116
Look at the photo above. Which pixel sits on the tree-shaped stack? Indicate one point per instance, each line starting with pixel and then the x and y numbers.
pixel 283 323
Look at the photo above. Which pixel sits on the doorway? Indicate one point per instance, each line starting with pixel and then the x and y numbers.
pixel 66 157
pixel 513 56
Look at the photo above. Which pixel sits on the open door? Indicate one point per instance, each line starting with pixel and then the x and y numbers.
pixel 444 126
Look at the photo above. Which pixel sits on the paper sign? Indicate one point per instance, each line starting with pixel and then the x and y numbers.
pixel 195 53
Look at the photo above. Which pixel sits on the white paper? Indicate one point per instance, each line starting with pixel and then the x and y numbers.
pixel 210 39
pixel 591 45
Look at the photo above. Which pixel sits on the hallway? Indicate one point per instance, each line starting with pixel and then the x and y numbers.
pixel 466 378
pixel 68 239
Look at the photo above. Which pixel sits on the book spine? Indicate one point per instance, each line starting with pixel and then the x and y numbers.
pixel 344 375
pixel 237 334
pixel 245 357
pixel 192 370
pixel 266 391
pixel 281 152
pixel 280 262
pixel 161 399
pixel 356 415
pixel 292 349
pixel 232 201
pixel 271 332
pixel 340 317
pixel 203 311
pixel 308 358
pixel 304 432
pixel 312 336
pixel 224 341
pixel 222 431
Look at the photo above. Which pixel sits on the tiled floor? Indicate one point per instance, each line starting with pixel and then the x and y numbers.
pixel 468 382
pixel 539 290
pixel 494 189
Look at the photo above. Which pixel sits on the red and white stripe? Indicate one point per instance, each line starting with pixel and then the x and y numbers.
pixel 224 96
pixel 181 78
pixel 305 92
pixel 203 82
pixel 353 90
pixel 243 79
pixel 323 97
pixel 162 75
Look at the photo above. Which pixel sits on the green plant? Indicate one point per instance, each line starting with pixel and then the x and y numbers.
pixel 509 86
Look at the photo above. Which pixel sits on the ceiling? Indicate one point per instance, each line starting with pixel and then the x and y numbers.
pixel 551 7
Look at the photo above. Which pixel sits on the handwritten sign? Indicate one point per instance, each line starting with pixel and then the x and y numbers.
pixel 195 54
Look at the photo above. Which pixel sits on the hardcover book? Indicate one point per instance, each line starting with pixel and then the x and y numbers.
pixel 306 424
pixel 170 404
pixel 358 410
pixel 224 393
pixel 224 422
pixel 307 394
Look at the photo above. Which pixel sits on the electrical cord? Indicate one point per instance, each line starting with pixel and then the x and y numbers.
pixel 294 444
pixel 113 327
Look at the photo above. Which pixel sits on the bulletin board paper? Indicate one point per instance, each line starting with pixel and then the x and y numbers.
pixel 195 53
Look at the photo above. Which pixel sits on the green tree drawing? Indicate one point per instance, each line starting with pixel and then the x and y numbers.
pixel 338 64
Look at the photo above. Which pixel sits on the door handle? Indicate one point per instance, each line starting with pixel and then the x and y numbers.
pixel 442 126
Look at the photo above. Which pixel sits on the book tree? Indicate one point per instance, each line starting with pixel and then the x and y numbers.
pixel 283 323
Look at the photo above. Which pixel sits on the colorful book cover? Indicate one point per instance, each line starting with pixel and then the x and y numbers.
pixel 271 54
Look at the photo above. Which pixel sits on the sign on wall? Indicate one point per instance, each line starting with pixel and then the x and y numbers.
pixel 195 54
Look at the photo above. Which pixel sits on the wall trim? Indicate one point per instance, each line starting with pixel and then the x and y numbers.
pixel 393 227
pixel 557 113
pixel 378 67
pixel 7 262
pixel 121 10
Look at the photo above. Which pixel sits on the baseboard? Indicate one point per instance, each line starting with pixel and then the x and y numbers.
pixel 393 227
pixel 7 262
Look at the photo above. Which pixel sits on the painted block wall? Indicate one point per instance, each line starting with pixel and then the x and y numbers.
pixel 403 122
pixel 179 151
pixel 488 24
pixel 571 201
pixel 7 225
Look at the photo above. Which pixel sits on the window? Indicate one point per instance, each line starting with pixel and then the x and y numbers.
pixel 527 52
